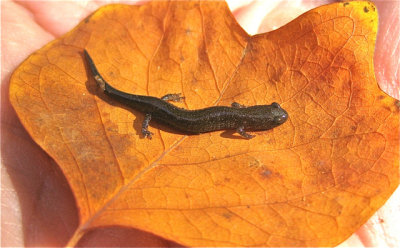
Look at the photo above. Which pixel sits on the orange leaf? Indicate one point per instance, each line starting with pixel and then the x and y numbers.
pixel 310 182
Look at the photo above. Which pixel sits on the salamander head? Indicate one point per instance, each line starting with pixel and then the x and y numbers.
pixel 280 115
pixel 264 117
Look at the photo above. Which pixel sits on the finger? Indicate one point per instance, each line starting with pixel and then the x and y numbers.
pixel 387 50
pixel 58 17
pixel 284 12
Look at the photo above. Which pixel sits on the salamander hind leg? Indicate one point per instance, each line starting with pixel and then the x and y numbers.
pixel 146 133
pixel 243 133
pixel 173 97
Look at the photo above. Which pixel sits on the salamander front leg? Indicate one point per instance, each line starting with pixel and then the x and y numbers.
pixel 145 125
pixel 243 133
pixel 173 97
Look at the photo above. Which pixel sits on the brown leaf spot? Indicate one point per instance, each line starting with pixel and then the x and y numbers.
pixel 265 172
pixel 397 104
pixel 227 215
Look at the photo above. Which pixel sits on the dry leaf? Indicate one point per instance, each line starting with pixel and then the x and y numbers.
pixel 310 182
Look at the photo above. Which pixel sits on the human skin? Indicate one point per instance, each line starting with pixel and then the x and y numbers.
pixel 38 208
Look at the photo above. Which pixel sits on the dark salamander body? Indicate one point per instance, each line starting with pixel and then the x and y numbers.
pixel 258 117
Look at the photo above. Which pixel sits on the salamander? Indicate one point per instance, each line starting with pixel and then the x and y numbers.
pixel 237 117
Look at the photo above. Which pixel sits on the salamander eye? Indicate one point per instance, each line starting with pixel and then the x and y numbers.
pixel 281 118
pixel 275 105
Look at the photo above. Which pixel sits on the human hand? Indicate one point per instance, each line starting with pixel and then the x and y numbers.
pixel 38 208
